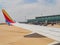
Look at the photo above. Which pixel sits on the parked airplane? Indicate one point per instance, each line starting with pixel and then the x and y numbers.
pixel 50 32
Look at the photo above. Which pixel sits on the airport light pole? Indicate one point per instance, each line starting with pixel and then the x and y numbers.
pixel 25 18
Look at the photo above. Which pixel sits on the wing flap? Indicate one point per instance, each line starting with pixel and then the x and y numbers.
pixel 34 35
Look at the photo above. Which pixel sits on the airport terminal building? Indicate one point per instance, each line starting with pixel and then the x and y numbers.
pixel 45 20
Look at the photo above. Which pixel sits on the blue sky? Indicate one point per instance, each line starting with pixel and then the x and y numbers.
pixel 0 6
pixel 18 9
pixel 30 1
pixel 50 2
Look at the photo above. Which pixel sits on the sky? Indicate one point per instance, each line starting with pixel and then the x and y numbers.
pixel 21 10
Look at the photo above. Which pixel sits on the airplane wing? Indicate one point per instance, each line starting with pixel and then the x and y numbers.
pixel 53 33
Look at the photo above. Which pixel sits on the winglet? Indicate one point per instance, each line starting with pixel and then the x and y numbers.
pixel 7 17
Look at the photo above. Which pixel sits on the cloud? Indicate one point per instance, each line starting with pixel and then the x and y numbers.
pixel 30 8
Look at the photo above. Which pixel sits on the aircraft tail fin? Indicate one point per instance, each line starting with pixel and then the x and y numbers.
pixel 8 19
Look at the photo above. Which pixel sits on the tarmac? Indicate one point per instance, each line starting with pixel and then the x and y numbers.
pixel 12 35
